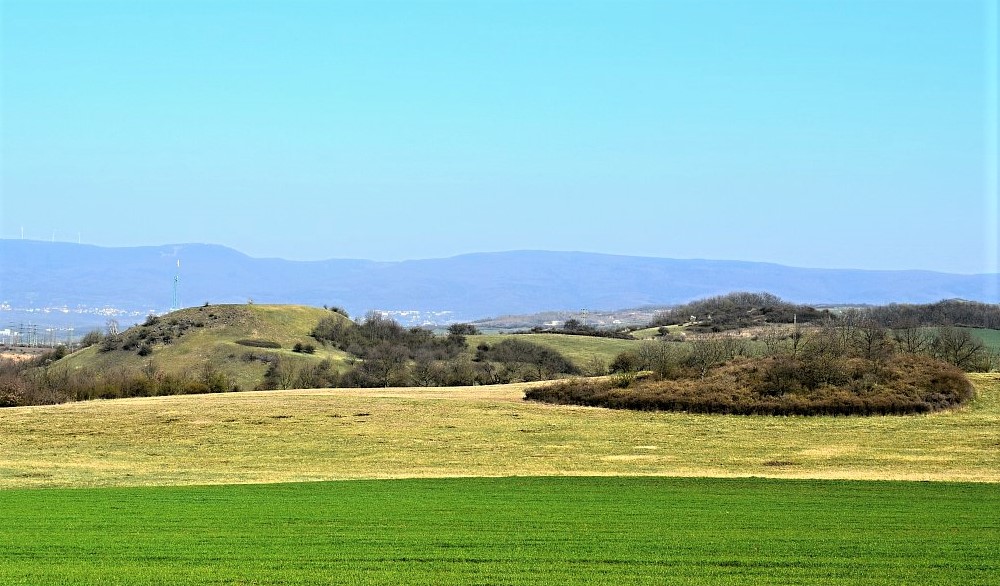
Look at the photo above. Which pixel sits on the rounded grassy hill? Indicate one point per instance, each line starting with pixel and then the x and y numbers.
pixel 231 344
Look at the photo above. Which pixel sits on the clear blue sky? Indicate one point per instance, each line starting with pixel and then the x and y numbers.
pixel 850 133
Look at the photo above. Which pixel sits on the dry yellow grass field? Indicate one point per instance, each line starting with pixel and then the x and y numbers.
pixel 280 436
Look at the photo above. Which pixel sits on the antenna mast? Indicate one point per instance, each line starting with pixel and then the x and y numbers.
pixel 174 305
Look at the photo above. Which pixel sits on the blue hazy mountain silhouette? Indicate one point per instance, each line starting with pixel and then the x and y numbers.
pixel 48 274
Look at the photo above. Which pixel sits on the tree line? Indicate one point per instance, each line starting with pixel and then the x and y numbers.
pixel 741 310
pixel 387 354
pixel 575 327
pixel 736 311
pixel 953 312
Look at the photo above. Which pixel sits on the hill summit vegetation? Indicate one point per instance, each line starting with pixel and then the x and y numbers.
pixel 224 348
pixel 207 349
pixel 861 362
pixel 737 310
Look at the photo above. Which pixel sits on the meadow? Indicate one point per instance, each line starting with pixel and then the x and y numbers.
pixel 989 337
pixel 474 485
pixel 341 434
pixel 506 531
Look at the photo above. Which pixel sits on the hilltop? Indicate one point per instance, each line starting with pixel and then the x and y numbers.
pixel 225 347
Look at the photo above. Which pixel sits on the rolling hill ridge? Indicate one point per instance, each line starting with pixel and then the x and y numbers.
pixel 52 274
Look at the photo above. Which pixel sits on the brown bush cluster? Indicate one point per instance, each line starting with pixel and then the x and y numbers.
pixel 39 384
pixel 905 384
pixel 854 362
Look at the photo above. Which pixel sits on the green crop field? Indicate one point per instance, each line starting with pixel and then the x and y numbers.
pixel 506 531
pixel 116 492
pixel 651 333
pixel 989 337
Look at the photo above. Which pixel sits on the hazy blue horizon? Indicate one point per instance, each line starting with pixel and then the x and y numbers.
pixel 827 134
pixel 180 255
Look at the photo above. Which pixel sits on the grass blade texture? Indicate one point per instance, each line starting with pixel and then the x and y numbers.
pixel 506 531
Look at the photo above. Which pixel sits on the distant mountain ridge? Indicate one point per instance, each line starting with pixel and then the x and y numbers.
pixel 50 274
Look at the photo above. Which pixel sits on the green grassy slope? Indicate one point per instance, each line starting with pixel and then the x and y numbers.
pixel 506 531
pixel 209 336
pixel 577 349
pixel 652 333
pixel 989 337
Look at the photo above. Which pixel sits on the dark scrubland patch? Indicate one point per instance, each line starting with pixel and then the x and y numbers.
pixel 376 332
pixel 259 344
pixel 506 531
pixel 574 327
pixel 168 329
pixel 951 312
pixel 852 363
pixel 747 309
pixel 904 384
pixel 515 353
pixel 391 355
pixel 737 310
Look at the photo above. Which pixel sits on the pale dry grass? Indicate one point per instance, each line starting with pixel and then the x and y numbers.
pixel 281 436
pixel 21 355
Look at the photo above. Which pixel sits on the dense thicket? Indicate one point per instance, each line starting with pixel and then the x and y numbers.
pixel 971 314
pixel 852 365
pixel 515 359
pixel 391 355
pixel 780 386
pixel 374 333
pixel 574 327
pixel 745 309
pixel 39 382
pixel 735 311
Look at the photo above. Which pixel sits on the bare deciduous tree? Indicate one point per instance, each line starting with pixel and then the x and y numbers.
pixel 911 338
pixel 706 353
pixel 958 347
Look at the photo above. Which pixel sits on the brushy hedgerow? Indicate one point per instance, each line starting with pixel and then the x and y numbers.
pixel 779 385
